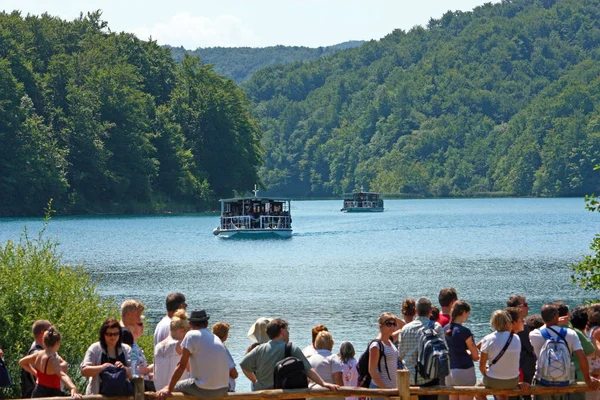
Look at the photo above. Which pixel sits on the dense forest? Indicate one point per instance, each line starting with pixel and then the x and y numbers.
pixel 239 63
pixel 103 122
pixel 501 100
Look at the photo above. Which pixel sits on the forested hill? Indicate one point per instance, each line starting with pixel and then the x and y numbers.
pixel 505 98
pixel 103 122
pixel 239 63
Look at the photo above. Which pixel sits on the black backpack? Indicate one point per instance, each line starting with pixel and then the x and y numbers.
pixel 364 378
pixel 289 372
pixel 113 380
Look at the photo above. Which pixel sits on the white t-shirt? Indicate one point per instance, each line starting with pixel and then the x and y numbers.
pixel 350 374
pixel 209 362
pixel 507 366
pixel 537 341
pixel 326 364
pixel 165 362
pixel 309 351
pixel 162 330
pixel 391 358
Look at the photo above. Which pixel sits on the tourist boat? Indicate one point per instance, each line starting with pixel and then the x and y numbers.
pixel 362 202
pixel 255 217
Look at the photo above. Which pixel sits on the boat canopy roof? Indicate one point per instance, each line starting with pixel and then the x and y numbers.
pixel 355 195
pixel 255 199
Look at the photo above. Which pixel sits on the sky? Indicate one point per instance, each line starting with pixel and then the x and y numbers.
pixel 252 23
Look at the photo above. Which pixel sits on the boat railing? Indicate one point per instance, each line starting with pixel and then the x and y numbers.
pixel 236 222
pixel 264 222
pixel 275 222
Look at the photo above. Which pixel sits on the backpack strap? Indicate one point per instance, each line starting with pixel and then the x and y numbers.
pixel 561 334
pixel 382 355
pixel 499 356
pixel 288 350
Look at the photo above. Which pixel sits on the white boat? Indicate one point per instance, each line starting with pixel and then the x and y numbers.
pixel 362 202
pixel 255 217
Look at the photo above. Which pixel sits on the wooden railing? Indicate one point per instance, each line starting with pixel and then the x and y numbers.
pixel 404 392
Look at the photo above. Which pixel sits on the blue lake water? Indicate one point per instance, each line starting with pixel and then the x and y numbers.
pixel 338 269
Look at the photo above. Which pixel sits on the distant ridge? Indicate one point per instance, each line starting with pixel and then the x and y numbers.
pixel 239 63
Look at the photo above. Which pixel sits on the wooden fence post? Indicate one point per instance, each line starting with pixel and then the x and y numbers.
pixel 403 384
pixel 138 388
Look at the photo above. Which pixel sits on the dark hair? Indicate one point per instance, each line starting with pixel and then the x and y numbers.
pixel 562 308
pixel 347 352
pixel 275 326
pixel 594 314
pixel 51 337
pixel 534 321
pixel 174 301
pixel 408 307
pixel 447 296
pixel 435 313
pixel 423 306
pixel 514 313
pixel 40 326
pixel 110 323
pixel 199 324
pixel 459 308
pixel 515 300
pixel 549 311
pixel 316 330
pixel 579 317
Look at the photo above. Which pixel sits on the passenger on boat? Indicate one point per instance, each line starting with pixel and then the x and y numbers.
pixel 106 352
pixel 46 367
pixel 168 352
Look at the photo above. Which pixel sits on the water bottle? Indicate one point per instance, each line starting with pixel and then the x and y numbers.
pixel 135 361
pixel 572 377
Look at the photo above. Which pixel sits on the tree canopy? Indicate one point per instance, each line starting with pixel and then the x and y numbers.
pixel 501 100
pixel 104 122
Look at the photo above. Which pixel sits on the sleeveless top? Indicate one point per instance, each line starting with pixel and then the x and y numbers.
pixel 49 381
pixel 593 360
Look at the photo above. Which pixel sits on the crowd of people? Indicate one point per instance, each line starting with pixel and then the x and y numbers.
pixel 190 357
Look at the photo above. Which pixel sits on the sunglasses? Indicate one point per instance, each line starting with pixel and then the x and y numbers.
pixel 113 334
pixel 390 323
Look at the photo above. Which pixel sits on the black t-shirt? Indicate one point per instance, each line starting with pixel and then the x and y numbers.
pixel 28 380
pixel 126 336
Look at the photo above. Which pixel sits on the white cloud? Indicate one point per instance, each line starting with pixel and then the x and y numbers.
pixel 189 31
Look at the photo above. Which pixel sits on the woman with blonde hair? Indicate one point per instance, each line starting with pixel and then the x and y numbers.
pixel 500 353
pixel 168 352
pixel 46 367
pixel 462 349
pixel 383 370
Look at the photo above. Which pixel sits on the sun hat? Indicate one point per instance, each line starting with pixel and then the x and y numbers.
pixel 258 330
pixel 199 316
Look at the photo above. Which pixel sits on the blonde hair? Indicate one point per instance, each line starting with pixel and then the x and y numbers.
pixel 500 320
pixel 221 329
pixel 131 305
pixel 179 321
pixel 324 340
pixel 386 316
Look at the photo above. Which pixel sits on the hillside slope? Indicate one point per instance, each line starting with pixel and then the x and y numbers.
pixel 239 63
pixel 503 99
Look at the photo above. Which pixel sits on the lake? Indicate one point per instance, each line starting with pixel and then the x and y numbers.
pixel 338 269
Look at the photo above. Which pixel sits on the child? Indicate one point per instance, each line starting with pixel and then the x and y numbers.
pixel 349 367
pixel 221 330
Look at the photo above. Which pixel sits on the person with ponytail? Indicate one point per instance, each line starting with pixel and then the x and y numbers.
pixel 462 349
pixel 45 366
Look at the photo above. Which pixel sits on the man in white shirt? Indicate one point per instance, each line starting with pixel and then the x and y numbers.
pixel 550 316
pixel 208 360
pixel 174 302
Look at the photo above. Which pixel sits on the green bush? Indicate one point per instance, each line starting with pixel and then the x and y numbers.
pixel 35 284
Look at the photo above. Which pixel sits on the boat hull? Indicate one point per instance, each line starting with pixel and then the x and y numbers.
pixel 253 233
pixel 362 210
